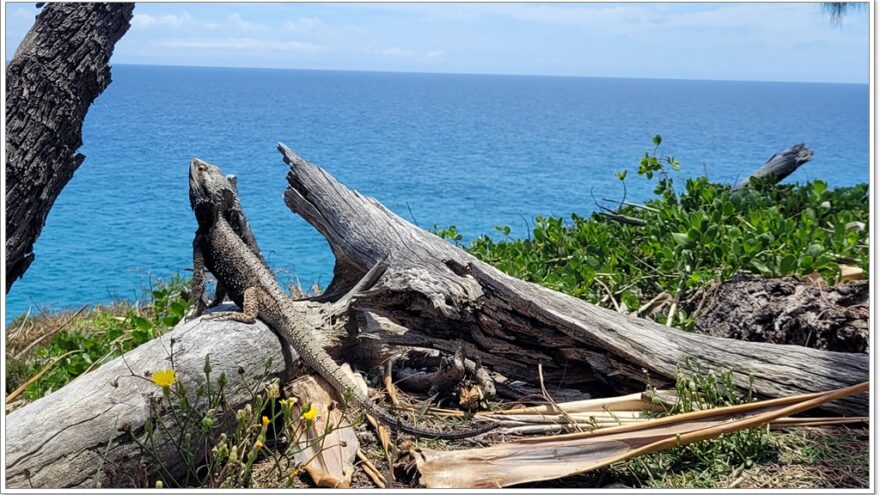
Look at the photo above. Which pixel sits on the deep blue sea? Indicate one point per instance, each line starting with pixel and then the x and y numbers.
pixel 470 150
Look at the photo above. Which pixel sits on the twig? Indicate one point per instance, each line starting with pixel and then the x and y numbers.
pixel 674 307
pixel 552 402
pixel 392 394
pixel 738 479
pixel 371 470
pixel 617 217
pixel 411 214
pixel 389 382
pixel 382 431
pixel 657 302
pixel 636 205
pixel 610 296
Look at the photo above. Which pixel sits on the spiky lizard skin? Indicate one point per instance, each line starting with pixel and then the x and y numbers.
pixel 249 282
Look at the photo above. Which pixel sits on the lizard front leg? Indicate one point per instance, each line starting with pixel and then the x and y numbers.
pixel 198 281
pixel 249 312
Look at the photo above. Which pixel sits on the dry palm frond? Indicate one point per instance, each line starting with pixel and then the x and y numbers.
pixel 544 458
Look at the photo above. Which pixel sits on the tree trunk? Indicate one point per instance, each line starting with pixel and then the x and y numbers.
pixel 780 165
pixel 446 298
pixel 786 311
pixel 57 72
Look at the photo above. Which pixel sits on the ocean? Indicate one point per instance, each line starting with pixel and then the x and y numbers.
pixel 474 151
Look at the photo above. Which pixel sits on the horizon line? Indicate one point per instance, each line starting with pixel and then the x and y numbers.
pixel 867 83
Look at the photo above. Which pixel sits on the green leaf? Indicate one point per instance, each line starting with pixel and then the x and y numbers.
pixel 807 263
pixel 787 265
pixel 680 237
pixel 178 307
pixel 140 322
pixel 728 208
pixel 762 267
pixel 657 139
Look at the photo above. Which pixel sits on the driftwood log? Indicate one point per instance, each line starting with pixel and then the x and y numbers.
pixel 446 298
pixel 57 72
pixel 779 166
pixel 80 436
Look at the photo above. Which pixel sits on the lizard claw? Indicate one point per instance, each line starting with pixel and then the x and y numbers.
pixel 196 311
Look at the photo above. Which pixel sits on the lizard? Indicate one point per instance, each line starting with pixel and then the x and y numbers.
pixel 224 246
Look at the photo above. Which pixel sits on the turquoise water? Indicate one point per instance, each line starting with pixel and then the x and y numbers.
pixel 474 151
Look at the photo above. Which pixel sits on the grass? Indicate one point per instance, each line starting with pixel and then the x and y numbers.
pixel 702 464
pixel 51 349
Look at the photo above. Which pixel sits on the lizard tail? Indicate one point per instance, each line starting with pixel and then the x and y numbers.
pixel 397 422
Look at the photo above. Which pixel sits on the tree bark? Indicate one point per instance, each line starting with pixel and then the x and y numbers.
pixel 780 165
pixel 57 72
pixel 787 311
pixel 445 298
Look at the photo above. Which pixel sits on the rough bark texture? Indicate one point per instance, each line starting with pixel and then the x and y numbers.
pixel 786 311
pixel 74 437
pixel 780 165
pixel 57 72
pixel 446 298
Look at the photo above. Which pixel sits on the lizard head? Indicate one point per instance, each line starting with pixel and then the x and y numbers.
pixel 210 192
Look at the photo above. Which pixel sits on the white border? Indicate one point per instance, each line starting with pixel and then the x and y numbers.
pixel 873 269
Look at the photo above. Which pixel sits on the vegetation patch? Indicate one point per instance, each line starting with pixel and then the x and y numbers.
pixel 652 258
pixel 45 352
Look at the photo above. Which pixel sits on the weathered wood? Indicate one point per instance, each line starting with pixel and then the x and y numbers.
pixel 780 165
pixel 787 311
pixel 75 437
pixel 59 69
pixel 328 457
pixel 446 298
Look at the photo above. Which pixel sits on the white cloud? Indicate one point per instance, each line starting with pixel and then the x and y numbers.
pixel 396 51
pixel 165 21
pixel 240 44
pixel 242 25
pixel 303 25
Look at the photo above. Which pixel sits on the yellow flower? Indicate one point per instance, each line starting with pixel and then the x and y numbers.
pixel 310 414
pixel 258 445
pixel 265 421
pixel 163 378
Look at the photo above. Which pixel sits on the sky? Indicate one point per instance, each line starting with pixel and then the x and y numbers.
pixel 726 41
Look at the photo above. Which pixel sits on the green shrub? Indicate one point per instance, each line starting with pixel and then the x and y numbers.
pixel 689 238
